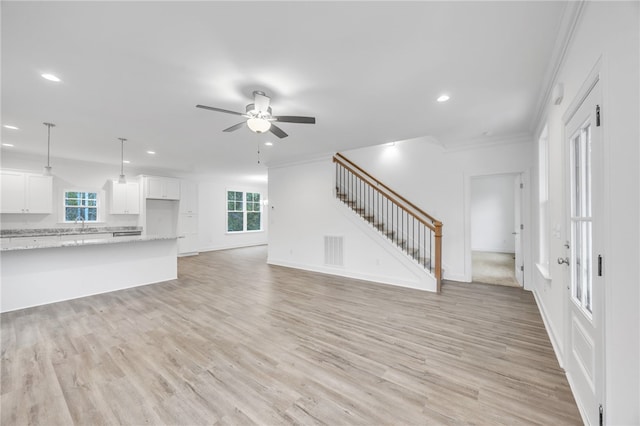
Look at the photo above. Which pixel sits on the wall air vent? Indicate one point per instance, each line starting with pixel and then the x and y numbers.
pixel 333 250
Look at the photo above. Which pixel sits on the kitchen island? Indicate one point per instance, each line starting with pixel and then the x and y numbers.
pixel 52 270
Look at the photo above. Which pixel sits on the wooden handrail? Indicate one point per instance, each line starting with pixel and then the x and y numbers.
pixel 431 222
pixel 435 223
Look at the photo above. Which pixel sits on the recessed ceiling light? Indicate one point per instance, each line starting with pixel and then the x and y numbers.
pixel 151 152
pixel 6 126
pixel 7 145
pixel 126 161
pixel 443 98
pixel 268 143
pixel 51 77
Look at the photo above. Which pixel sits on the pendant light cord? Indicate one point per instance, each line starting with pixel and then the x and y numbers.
pixel 49 126
pixel 122 178
pixel 122 155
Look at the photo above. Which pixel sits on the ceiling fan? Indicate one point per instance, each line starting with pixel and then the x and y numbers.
pixel 259 118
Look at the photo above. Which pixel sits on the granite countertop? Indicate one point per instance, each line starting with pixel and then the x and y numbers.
pixel 86 240
pixel 47 232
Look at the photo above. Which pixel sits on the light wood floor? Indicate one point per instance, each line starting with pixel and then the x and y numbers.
pixel 235 341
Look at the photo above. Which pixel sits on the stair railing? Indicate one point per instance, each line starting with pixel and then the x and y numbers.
pixel 415 232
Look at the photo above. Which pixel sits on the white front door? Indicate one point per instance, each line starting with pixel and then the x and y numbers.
pixel 585 322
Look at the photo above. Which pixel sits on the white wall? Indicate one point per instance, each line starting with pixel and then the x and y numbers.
pixel 609 31
pixel 493 213
pixel 212 196
pixel 438 181
pixel 304 209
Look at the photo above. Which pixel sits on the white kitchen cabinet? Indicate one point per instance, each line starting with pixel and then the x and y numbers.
pixel 26 193
pixel 188 197
pixel 87 236
pixel 30 241
pixel 188 234
pixel 162 188
pixel 125 198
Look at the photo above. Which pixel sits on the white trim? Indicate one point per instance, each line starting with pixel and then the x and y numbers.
pixel 566 32
pixel 579 403
pixel 555 343
pixel 338 271
pixel 526 221
pixel 284 164
pixel 227 247
pixel 479 143
pixel 589 83
pixel 595 76
pixel 544 271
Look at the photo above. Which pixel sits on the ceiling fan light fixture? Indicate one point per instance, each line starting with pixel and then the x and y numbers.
pixel 258 125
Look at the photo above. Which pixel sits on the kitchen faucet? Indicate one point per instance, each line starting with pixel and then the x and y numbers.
pixel 82 219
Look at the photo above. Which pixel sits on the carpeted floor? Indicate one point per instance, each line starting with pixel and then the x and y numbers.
pixel 494 268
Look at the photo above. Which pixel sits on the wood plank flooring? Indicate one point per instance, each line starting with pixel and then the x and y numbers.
pixel 235 341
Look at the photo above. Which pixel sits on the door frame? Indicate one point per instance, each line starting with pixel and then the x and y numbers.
pixel 595 76
pixel 526 221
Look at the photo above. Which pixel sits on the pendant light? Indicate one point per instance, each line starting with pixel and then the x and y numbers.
pixel 122 178
pixel 47 168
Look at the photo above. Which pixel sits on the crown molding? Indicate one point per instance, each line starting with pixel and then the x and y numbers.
pixel 568 26
pixel 516 138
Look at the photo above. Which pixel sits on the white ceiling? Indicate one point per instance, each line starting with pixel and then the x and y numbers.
pixel 370 72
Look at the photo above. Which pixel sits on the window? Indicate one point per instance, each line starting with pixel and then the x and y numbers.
pixel 244 211
pixel 543 204
pixel 581 218
pixel 80 206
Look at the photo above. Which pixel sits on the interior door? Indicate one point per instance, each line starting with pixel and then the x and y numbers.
pixel 585 324
pixel 517 232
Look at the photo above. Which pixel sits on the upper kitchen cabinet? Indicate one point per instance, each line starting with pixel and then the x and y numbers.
pixel 162 188
pixel 188 197
pixel 125 198
pixel 26 193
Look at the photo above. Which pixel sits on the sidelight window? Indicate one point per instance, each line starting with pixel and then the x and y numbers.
pixel 581 218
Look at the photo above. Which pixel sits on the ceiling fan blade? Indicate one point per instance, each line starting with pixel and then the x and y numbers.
pixel 219 110
pixel 295 119
pixel 261 101
pixel 277 131
pixel 234 127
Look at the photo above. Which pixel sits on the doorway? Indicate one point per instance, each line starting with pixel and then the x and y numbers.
pixel 583 273
pixel 495 217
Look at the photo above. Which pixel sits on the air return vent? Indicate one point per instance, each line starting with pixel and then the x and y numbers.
pixel 333 250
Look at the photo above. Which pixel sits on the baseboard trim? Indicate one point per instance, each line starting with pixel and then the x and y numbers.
pixel 354 275
pixel 550 330
pixel 579 403
pixel 229 247
pixel 455 277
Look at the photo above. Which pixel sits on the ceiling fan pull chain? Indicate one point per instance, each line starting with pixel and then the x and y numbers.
pixel 258 145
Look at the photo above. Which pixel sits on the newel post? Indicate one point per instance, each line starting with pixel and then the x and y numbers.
pixel 438 242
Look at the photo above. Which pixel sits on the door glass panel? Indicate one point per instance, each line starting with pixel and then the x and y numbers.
pixel 581 230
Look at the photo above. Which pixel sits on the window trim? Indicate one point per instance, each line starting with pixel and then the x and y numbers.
pixel 244 211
